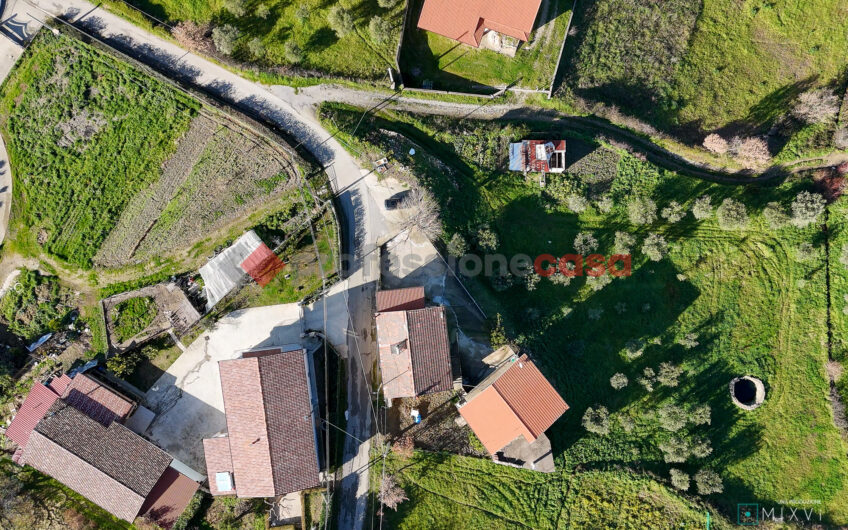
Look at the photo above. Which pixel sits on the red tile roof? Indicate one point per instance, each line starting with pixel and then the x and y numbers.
pixel 35 406
pixel 168 498
pixel 60 384
pixel 400 299
pixel 218 460
pixel 515 400
pixel 271 431
pixel 466 20
pixel 111 466
pixel 97 401
pixel 430 349
pixel 414 352
pixel 262 265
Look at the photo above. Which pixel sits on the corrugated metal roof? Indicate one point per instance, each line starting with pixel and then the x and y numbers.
pixel 32 410
pixel 401 299
pixel 223 272
pixel 168 498
pixel 262 265
pixel 465 20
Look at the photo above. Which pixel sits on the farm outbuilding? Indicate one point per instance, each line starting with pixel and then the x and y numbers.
pixel 537 156
pixel 248 255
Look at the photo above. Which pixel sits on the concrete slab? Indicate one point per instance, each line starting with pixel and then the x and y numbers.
pixel 187 398
pixel 140 420
pixel 536 456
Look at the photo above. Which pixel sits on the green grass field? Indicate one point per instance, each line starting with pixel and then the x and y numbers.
pixel 755 307
pixel 450 65
pixel 82 129
pixel 700 66
pixel 304 22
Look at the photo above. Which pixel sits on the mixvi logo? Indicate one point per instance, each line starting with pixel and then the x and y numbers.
pixel 752 514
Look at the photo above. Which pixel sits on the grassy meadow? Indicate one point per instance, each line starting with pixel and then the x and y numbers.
pixel 82 129
pixel 694 66
pixel 303 22
pixel 722 303
pixel 450 65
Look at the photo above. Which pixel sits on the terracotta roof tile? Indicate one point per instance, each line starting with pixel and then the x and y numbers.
pixel 430 350
pixel 112 466
pixel 60 384
pixel 465 20
pixel 96 400
pixel 395 356
pixel 401 299
pixel 515 400
pixel 271 447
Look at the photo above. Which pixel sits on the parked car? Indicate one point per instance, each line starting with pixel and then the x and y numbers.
pixel 394 202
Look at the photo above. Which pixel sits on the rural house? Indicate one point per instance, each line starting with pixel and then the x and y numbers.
pixel 537 156
pixel 413 344
pixel 495 24
pixel 510 410
pixel 78 431
pixel 271 447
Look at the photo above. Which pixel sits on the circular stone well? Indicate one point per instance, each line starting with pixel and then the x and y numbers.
pixel 747 392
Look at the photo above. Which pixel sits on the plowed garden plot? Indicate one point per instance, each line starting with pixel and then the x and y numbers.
pixel 114 168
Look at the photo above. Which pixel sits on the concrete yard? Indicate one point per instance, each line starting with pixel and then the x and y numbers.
pixel 187 398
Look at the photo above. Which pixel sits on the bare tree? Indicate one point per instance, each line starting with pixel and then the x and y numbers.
pixel 391 494
pixel 716 144
pixel 422 212
pixel 752 151
pixel 816 106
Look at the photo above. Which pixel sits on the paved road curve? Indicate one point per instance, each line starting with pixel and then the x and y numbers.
pixel 360 211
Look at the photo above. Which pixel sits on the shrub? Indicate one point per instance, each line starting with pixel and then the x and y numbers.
pixel 457 246
pixel 805 252
pixel 340 20
pixel 641 211
pixel 560 279
pixel 701 448
pixel 598 282
pixel 404 447
pixel 605 204
pixel 655 247
pixel 843 256
pixel 497 337
pixel 256 48
pixel 531 281
pixel 675 450
pixel 669 374
pixel 293 53
pixel 634 348
pixel 671 417
pixel 732 215
pixel 618 381
pixel 649 377
pixel 679 479
pixel 487 239
pixel 596 420
pixel 700 415
pixel 503 281
pixel 380 29
pixel 806 208
pixel 702 208
pixel 387 4
pixel 225 38
pixel 236 7
pixel 133 316
pixel 576 203
pixel 125 363
pixel 624 242
pixel 708 481
pixel 193 36
pixel 585 243
pixel 816 106
pixel 689 341
pixel 262 11
pixel 775 215
pixel 715 144
pixel 674 212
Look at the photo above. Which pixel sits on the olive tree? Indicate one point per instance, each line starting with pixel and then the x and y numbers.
pixel 641 211
pixel 732 215
pixel 806 208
